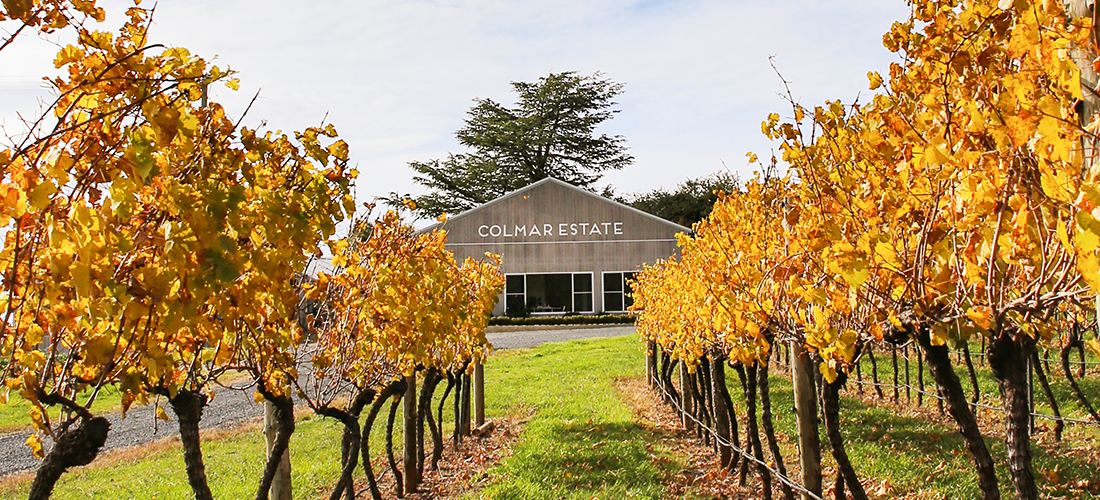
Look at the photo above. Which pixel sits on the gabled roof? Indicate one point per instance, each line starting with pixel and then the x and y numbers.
pixel 552 180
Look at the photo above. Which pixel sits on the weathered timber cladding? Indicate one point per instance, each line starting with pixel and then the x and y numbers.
pixel 553 227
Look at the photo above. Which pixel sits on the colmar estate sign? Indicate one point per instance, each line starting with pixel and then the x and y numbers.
pixel 547 230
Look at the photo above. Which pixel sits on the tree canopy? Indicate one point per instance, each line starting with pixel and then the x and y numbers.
pixel 691 202
pixel 551 131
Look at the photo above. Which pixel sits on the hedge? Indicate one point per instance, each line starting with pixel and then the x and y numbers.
pixel 575 319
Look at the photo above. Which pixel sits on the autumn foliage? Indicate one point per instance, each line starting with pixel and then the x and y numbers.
pixel 151 244
pixel 958 205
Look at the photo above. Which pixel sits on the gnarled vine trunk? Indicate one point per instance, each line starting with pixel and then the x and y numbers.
pixel 399 479
pixel 395 387
pixel 754 431
pixel 431 382
pixel 1008 358
pixel 73 447
pixel 721 411
pixel 743 472
pixel 939 365
pixel 351 425
pixel 734 431
pixel 352 438
pixel 188 406
pixel 830 406
pixel 973 374
pixel 769 427
pixel 438 451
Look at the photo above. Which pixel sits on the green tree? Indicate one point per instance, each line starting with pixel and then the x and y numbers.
pixel 551 132
pixel 691 202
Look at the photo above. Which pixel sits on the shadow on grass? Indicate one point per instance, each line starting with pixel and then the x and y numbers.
pixel 604 455
pixel 918 453
pixel 585 460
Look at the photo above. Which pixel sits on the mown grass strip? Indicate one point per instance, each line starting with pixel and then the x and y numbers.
pixel 581 440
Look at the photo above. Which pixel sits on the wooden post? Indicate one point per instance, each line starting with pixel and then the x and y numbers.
pixel 908 387
pixel 280 486
pixel 466 404
pixel 686 401
pixel 479 395
pixel 408 459
pixel 649 365
pixel 894 355
pixel 805 403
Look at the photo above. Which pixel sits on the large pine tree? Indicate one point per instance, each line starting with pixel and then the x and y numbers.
pixel 551 131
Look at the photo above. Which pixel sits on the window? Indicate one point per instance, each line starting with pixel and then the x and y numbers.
pixel 617 295
pixel 515 295
pixel 582 292
pixel 548 293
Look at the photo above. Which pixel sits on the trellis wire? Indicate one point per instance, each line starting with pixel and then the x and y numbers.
pixel 1045 359
pixel 920 391
pixel 981 405
pixel 782 478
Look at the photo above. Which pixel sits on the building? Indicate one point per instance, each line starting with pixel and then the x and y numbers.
pixel 564 249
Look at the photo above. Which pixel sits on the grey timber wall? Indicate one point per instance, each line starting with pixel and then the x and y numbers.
pixel 554 227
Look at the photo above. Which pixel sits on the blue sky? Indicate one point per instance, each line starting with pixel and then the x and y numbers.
pixel 396 78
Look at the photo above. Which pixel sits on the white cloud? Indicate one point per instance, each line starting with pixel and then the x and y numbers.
pixel 396 78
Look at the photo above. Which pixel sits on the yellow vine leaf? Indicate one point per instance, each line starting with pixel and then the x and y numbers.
pixel 35 444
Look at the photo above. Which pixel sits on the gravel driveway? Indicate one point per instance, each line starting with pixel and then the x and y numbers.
pixel 230 406
pixel 527 337
pixel 139 427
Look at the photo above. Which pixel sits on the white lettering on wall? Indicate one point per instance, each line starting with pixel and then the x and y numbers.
pixel 547 230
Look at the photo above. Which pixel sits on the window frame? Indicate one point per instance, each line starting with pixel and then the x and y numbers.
pixel 621 292
pixel 572 291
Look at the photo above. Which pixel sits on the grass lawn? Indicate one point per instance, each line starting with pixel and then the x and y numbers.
pixel 15 414
pixel 918 452
pixel 581 441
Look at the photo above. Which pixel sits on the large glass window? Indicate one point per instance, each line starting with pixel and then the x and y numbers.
pixel 617 295
pixel 548 293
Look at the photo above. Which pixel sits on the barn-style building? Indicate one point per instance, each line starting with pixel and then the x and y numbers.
pixel 564 249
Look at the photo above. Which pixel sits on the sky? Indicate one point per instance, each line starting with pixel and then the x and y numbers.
pixel 396 78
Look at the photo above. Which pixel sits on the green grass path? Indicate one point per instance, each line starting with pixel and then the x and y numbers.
pixel 580 440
